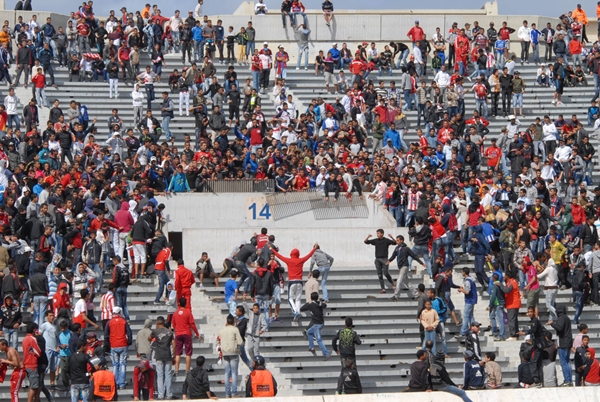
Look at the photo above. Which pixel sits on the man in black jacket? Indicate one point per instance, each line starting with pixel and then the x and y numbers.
pixel 419 374
pixel 39 290
pixel 562 325
pixel 581 360
pixel 381 255
pixel 196 385
pixel 76 370
pixel 347 338
pixel 402 253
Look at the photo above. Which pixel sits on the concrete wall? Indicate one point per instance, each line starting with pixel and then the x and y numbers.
pixel 231 211
pixel 344 245
pixel 58 20
pixel 588 394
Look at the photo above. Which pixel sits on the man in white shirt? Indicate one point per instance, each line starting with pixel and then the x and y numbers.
pixel 550 277
pixel 524 35
pixel 563 152
pixel 321 178
pixel 487 199
pixel 198 10
pixel 11 102
pixel 380 189
pixel 175 24
pixel 418 60
pixel 442 79
pixel 513 126
pixel 260 8
pixel 33 23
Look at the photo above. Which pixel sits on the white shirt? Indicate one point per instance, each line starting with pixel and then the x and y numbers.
pixel 550 274
pixel 175 23
pixel 486 200
pixel 110 26
pixel 442 78
pixel 562 154
pixel 549 131
pixel 198 12
pixel 292 138
pixel 138 98
pixel 513 129
pixel 524 33
pixel 418 55
pixel 80 307
pixel 260 6
pixel 10 104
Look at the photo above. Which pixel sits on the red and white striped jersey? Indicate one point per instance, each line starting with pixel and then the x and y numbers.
pixel 413 199
pixel 107 303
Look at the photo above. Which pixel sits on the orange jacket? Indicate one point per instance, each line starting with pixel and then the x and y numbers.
pixel 575 47
pixel 513 298
pixel 581 16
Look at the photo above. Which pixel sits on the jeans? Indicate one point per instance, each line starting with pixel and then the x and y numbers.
pixel 578 296
pixel 430 336
pixel 409 217
pixel 250 45
pixel 256 80
pixel 244 356
pixel 104 75
pixel 12 336
pixel 441 331
pixel 149 94
pixel 422 251
pixel 99 277
pixel 458 392
pixel 244 274
pixel 513 321
pixel 121 300
pixel 164 376
pixel 536 52
pixel 500 59
pixel 231 372
pixel 166 121
pixel 398 214
pixel 450 253
pixel 80 392
pixel 294 16
pixel 482 277
pixel 407 100
pixel 119 360
pixel 324 274
pixel 14 118
pixel 40 303
pixel 481 107
pixel 315 331
pixel 176 41
pixel 467 318
pixel 402 58
pixel 550 303
pixel 564 354
pixel 303 51
pixel 198 50
pixel 497 318
pixel 163 279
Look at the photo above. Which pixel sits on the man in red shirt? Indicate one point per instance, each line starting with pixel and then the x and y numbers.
pixel 444 133
pixel 415 34
pixel 493 155
pixel 184 280
pixel 31 353
pixel 161 267
pixel 301 181
pixel 117 334
pixel 183 324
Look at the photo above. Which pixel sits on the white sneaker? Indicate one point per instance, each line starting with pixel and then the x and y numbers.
pixel 560 103
pixel 553 102
pixel 201 287
pixel 305 68
pixel 297 68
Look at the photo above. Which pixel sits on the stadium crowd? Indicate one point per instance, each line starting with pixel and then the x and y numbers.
pixel 520 202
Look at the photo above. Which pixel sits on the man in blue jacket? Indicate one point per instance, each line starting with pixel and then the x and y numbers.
pixel 393 135
pixel 474 374
pixel 335 55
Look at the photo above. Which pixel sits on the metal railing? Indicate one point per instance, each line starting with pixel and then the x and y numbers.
pixel 239 186
pixel 285 205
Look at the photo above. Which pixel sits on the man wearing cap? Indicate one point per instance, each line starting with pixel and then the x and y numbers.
pixel 260 383
pixel 117 338
pixel 281 60
pixel 415 34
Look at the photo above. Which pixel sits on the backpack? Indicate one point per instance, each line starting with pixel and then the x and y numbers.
pixel 442 308
pixel 436 62
pixel 481 91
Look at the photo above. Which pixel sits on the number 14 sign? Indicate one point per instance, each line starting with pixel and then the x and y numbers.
pixel 257 209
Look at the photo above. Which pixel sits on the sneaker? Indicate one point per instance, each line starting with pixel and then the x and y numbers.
pixel 382 291
pixel 553 101
pixel 537 384
pixel 559 103
pixel 499 339
pixel 201 287
pixel 304 334
pixel 394 299
pixel 326 357
pixel 297 68
pixel 566 384
pixel 157 303
pixel 296 315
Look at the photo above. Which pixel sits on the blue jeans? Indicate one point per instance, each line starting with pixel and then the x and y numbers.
pixel 303 51
pixel 198 50
pixel 497 318
pixel 324 274
pixel 450 253
pixel 256 80
pixel 163 279
pixel 250 46
pixel 407 100
pixel 441 331
pixel 578 296
pixel 104 75
pixel 294 15
pixel 482 277
pixel 402 58
pixel 164 376
pixel 461 68
pixel 263 303
pixel 232 305
pixel 14 118
pixel 467 318
pixel 467 234
pixel 121 300
pixel 176 41
pixel 458 392
pixel 409 217
pixel 315 331
pixel 40 304
pixel 398 214
pixel 422 251
pixel 430 336
pixel 166 121
pixel 244 356
pixel 564 354
pixel 149 94
pixel 119 360
pixel 80 390
pixel 12 336
pixel 231 372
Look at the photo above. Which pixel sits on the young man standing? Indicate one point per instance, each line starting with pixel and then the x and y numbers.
pixel 401 253
pixel 183 324
pixel 382 245
pixel 317 322
pixel 469 289
pixel 13 359
pixel 31 353
pixel 164 348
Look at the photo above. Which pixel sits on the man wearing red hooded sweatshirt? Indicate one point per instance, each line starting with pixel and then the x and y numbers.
pixel 295 264
pixel 184 280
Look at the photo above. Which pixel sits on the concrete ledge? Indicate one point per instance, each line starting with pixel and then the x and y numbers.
pixel 588 394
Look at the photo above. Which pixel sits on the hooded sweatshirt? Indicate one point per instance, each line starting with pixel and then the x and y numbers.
pixel 184 279
pixel 172 302
pixel 61 301
pixel 261 282
pixel 294 263
pixel 123 218
pixel 481 246
pixel 592 371
pixel 142 344
pixel 562 325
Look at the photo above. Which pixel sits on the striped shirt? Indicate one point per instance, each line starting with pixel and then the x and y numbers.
pixel 413 200
pixel 106 305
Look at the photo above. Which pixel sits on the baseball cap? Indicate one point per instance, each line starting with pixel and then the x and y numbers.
pixel 266 43
pixel 416 21
pixel 334 44
pixel 117 310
